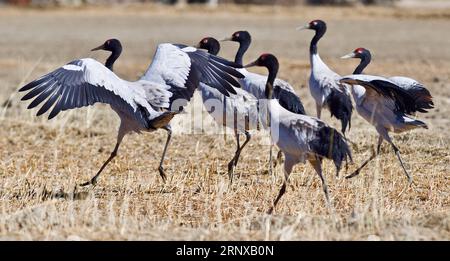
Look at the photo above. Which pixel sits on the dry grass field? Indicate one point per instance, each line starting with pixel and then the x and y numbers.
pixel 41 161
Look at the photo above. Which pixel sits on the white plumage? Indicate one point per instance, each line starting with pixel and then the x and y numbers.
pixel 170 65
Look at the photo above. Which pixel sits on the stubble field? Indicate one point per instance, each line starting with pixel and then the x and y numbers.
pixel 42 161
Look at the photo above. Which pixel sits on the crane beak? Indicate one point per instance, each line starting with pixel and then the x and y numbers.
pixel 197 46
pixel 226 39
pixel 350 55
pixel 101 47
pixel 255 63
pixel 306 26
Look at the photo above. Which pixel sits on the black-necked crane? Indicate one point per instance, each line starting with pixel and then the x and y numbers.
pixel 299 137
pixel 147 104
pixel 386 103
pixel 238 111
pixel 324 83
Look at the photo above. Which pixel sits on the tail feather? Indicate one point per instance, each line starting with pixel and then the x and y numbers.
pixel 329 143
pixel 341 107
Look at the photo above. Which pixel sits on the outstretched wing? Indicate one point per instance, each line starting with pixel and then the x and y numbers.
pixel 82 83
pixel 421 95
pixel 403 99
pixel 183 68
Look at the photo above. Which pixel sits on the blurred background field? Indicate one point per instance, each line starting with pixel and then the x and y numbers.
pixel 42 161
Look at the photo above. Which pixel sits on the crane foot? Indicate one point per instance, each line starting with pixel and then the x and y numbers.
pixel 92 182
pixel 356 173
pixel 231 170
pixel 162 174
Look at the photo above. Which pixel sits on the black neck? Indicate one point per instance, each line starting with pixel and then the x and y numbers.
pixel 273 70
pixel 365 60
pixel 112 58
pixel 243 47
pixel 315 40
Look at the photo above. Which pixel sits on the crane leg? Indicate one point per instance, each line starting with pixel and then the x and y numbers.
pixel 318 110
pixel 234 161
pixel 120 136
pixel 288 165
pixel 270 160
pixel 161 168
pixel 231 164
pixel 397 152
pixel 374 155
pixel 273 164
pixel 248 136
pixel 317 164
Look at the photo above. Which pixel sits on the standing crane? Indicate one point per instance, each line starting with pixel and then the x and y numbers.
pixel 324 83
pixel 143 105
pixel 238 112
pixel 386 103
pixel 299 137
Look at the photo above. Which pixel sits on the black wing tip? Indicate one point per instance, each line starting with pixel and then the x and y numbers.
pixel 51 116
pixel 237 74
pixel 232 90
pixel 28 86
pixel 25 88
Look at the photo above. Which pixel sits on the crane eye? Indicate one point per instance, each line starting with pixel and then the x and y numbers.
pixel 205 41
pixel 236 34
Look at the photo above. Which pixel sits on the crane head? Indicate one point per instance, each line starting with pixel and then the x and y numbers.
pixel 210 44
pixel 359 53
pixel 239 36
pixel 316 25
pixel 112 45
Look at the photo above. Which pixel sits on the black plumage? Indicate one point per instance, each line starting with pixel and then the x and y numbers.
pixel 288 100
pixel 341 107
